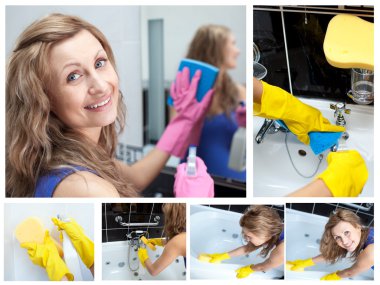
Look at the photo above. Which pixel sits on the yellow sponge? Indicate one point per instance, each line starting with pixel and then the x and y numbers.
pixel 147 243
pixel 32 230
pixel 349 42
pixel 289 266
pixel 204 257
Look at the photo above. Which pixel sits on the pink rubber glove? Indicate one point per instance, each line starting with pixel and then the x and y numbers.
pixel 179 133
pixel 200 185
pixel 240 115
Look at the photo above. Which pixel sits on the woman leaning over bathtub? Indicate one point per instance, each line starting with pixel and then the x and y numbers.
pixel 174 242
pixel 263 229
pixel 344 234
pixel 64 110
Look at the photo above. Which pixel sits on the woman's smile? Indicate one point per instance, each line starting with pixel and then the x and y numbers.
pixel 102 105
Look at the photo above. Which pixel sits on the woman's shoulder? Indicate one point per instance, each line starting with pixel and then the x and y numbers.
pixel 178 240
pixel 85 184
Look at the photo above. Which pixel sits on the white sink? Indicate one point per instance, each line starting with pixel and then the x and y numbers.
pixel 273 172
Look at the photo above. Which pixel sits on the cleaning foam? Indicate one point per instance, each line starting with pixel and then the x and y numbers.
pixel 33 230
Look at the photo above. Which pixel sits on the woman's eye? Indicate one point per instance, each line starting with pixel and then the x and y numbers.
pixel 72 77
pixel 100 63
pixel 346 233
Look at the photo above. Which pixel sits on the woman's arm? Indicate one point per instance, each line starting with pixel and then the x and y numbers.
pixel 364 262
pixel 239 251
pixel 317 188
pixel 275 259
pixel 318 259
pixel 175 247
pixel 144 171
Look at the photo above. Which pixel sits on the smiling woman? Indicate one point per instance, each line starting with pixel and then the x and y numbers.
pixel 64 111
pixel 344 235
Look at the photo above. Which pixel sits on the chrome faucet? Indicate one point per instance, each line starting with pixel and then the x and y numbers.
pixel 268 127
pixel 340 109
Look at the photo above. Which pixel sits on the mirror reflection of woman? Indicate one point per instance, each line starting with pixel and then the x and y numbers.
pixel 64 111
pixel 216 45
pixel 344 236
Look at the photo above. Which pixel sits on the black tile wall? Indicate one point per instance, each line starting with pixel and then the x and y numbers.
pixel 367 216
pixel 268 36
pixel 311 74
pixel 130 213
pixel 241 208
pixel 324 209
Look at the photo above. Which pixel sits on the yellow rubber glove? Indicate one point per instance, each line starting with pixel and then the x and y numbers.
pixel 331 276
pixel 46 255
pixel 300 264
pixel 143 255
pixel 81 242
pixel 217 257
pixel 244 272
pixel 346 173
pixel 301 119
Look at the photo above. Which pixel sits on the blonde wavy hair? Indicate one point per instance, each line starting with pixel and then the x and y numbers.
pixel 329 249
pixel 263 221
pixel 208 45
pixel 36 140
pixel 175 219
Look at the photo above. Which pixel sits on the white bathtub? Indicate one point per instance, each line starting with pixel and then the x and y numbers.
pixel 115 264
pixel 303 235
pixel 215 231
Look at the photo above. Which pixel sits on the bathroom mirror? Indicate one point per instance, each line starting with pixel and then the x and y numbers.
pixel 165 38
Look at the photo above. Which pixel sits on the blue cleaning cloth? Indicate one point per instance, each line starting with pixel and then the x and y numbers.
pixel 319 141
pixel 207 81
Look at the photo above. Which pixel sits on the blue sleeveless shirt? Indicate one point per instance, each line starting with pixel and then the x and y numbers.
pixel 370 240
pixel 47 183
pixel 215 143
pixel 281 238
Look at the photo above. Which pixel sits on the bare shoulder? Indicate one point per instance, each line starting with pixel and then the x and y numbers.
pixel 178 242
pixel 85 184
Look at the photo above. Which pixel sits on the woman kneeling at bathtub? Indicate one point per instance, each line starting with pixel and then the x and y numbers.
pixel 174 242
pixel 262 228
pixel 344 234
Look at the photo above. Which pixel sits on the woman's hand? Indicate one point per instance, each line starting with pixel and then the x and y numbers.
pixel 244 272
pixel 331 276
pixel 46 255
pixel 179 133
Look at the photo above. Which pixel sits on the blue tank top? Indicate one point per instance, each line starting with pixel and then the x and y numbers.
pixel 370 240
pixel 215 143
pixel 47 183
pixel 281 238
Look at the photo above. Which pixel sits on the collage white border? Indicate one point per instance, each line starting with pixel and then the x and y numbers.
pixel 191 201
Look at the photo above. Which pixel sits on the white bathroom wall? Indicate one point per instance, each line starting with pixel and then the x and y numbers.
pixel 16 213
pixel 180 25
pixel 121 26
